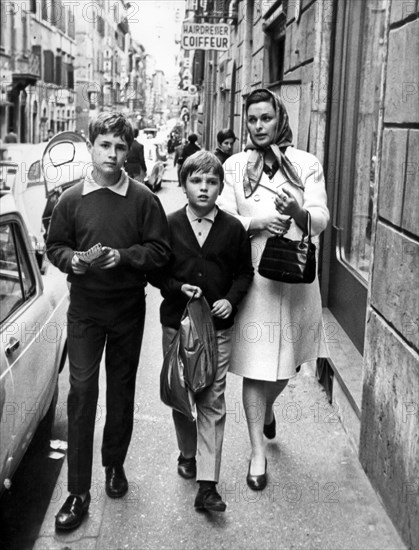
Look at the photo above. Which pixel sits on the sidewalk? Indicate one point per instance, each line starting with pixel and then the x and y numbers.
pixel 318 496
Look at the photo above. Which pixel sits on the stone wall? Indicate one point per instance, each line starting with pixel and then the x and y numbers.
pixel 389 449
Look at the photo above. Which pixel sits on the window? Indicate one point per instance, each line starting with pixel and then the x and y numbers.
pixel 275 47
pixel 34 174
pixel 17 281
pixel 44 10
pixel 356 223
pixel 58 70
pixel 48 66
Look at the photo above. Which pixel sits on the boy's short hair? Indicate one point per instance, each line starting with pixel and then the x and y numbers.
pixel 192 138
pixel 225 133
pixel 111 123
pixel 203 162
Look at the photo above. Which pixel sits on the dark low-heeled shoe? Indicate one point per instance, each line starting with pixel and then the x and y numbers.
pixel 186 467
pixel 269 430
pixel 209 499
pixel 71 513
pixel 116 485
pixel 257 483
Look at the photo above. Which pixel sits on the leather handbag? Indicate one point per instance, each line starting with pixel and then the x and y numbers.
pixel 289 261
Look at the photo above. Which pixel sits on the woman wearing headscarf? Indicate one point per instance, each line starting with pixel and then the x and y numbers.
pixel 270 187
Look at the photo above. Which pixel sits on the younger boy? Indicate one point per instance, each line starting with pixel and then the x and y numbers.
pixel 107 304
pixel 210 256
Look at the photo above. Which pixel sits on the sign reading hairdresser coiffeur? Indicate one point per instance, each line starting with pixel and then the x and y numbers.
pixel 205 36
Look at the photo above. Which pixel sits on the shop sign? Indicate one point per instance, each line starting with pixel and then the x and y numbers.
pixel 205 36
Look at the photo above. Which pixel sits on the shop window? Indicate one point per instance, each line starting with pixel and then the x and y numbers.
pixel 356 224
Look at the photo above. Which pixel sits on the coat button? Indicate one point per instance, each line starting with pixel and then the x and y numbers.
pixel 256 198
pixel 199 274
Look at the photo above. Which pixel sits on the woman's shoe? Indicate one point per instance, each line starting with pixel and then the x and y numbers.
pixel 257 483
pixel 269 430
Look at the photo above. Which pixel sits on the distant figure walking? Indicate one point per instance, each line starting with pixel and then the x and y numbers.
pixel 11 137
pixel 189 149
pixel 135 165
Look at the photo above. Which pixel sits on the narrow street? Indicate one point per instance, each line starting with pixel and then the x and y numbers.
pixel 318 496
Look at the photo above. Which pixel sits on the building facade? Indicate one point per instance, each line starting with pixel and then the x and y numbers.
pixel 64 61
pixel 37 56
pixel 348 74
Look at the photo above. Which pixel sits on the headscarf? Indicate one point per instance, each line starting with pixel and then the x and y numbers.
pixel 283 138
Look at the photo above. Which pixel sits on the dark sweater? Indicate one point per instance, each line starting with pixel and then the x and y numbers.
pixel 222 268
pixel 221 156
pixel 135 162
pixel 135 225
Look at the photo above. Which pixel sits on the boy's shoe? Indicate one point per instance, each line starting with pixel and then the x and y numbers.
pixel 71 513
pixel 116 485
pixel 186 467
pixel 209 499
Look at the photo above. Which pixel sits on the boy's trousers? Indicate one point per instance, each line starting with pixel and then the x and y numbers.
pixel 204 438
pixel 95 324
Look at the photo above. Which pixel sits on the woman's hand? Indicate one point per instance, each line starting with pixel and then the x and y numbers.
pixel 287 205
pixel 191 291
pixel 274 223
pixel 222 309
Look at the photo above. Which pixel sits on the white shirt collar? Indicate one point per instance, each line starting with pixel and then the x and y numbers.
pixel 193 217
pixel 120 187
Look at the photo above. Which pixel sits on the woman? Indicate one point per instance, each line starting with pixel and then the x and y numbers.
pixel 225 139
pixel 271 186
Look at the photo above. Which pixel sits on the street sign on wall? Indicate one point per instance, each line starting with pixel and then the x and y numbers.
pixel 205 36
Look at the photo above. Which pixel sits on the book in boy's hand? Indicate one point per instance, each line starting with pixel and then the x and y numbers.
pixel 93 253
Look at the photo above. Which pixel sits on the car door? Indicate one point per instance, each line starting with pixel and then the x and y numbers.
pixel 28 344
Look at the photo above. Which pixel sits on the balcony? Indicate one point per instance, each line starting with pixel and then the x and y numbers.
pixel 26 70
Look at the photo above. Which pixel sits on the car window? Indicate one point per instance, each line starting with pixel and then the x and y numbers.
pixel 17 280
pixel 34 174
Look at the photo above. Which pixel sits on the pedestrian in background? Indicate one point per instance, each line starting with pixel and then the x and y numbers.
pixel 135 165
pixel 270 187
pixel 225 140
pixel 107 303
pixel 11 137
pixel 187 150
pixel 211 257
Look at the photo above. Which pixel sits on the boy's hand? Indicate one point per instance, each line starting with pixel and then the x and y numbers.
pixel 191 291
pixel 222 309
pixel 78 266
pixel 110 259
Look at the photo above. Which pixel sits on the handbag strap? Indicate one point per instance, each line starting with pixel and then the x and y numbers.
pixel 307 230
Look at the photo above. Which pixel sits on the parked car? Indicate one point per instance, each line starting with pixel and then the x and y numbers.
pixel 34 302
pixel 20 171
pixel 36 182
pixel 64 163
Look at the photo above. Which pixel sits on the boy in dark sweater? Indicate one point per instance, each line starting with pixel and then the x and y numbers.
pixel 210 256
pixel 107 303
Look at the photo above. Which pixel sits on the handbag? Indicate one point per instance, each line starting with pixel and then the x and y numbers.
pixel 289 261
